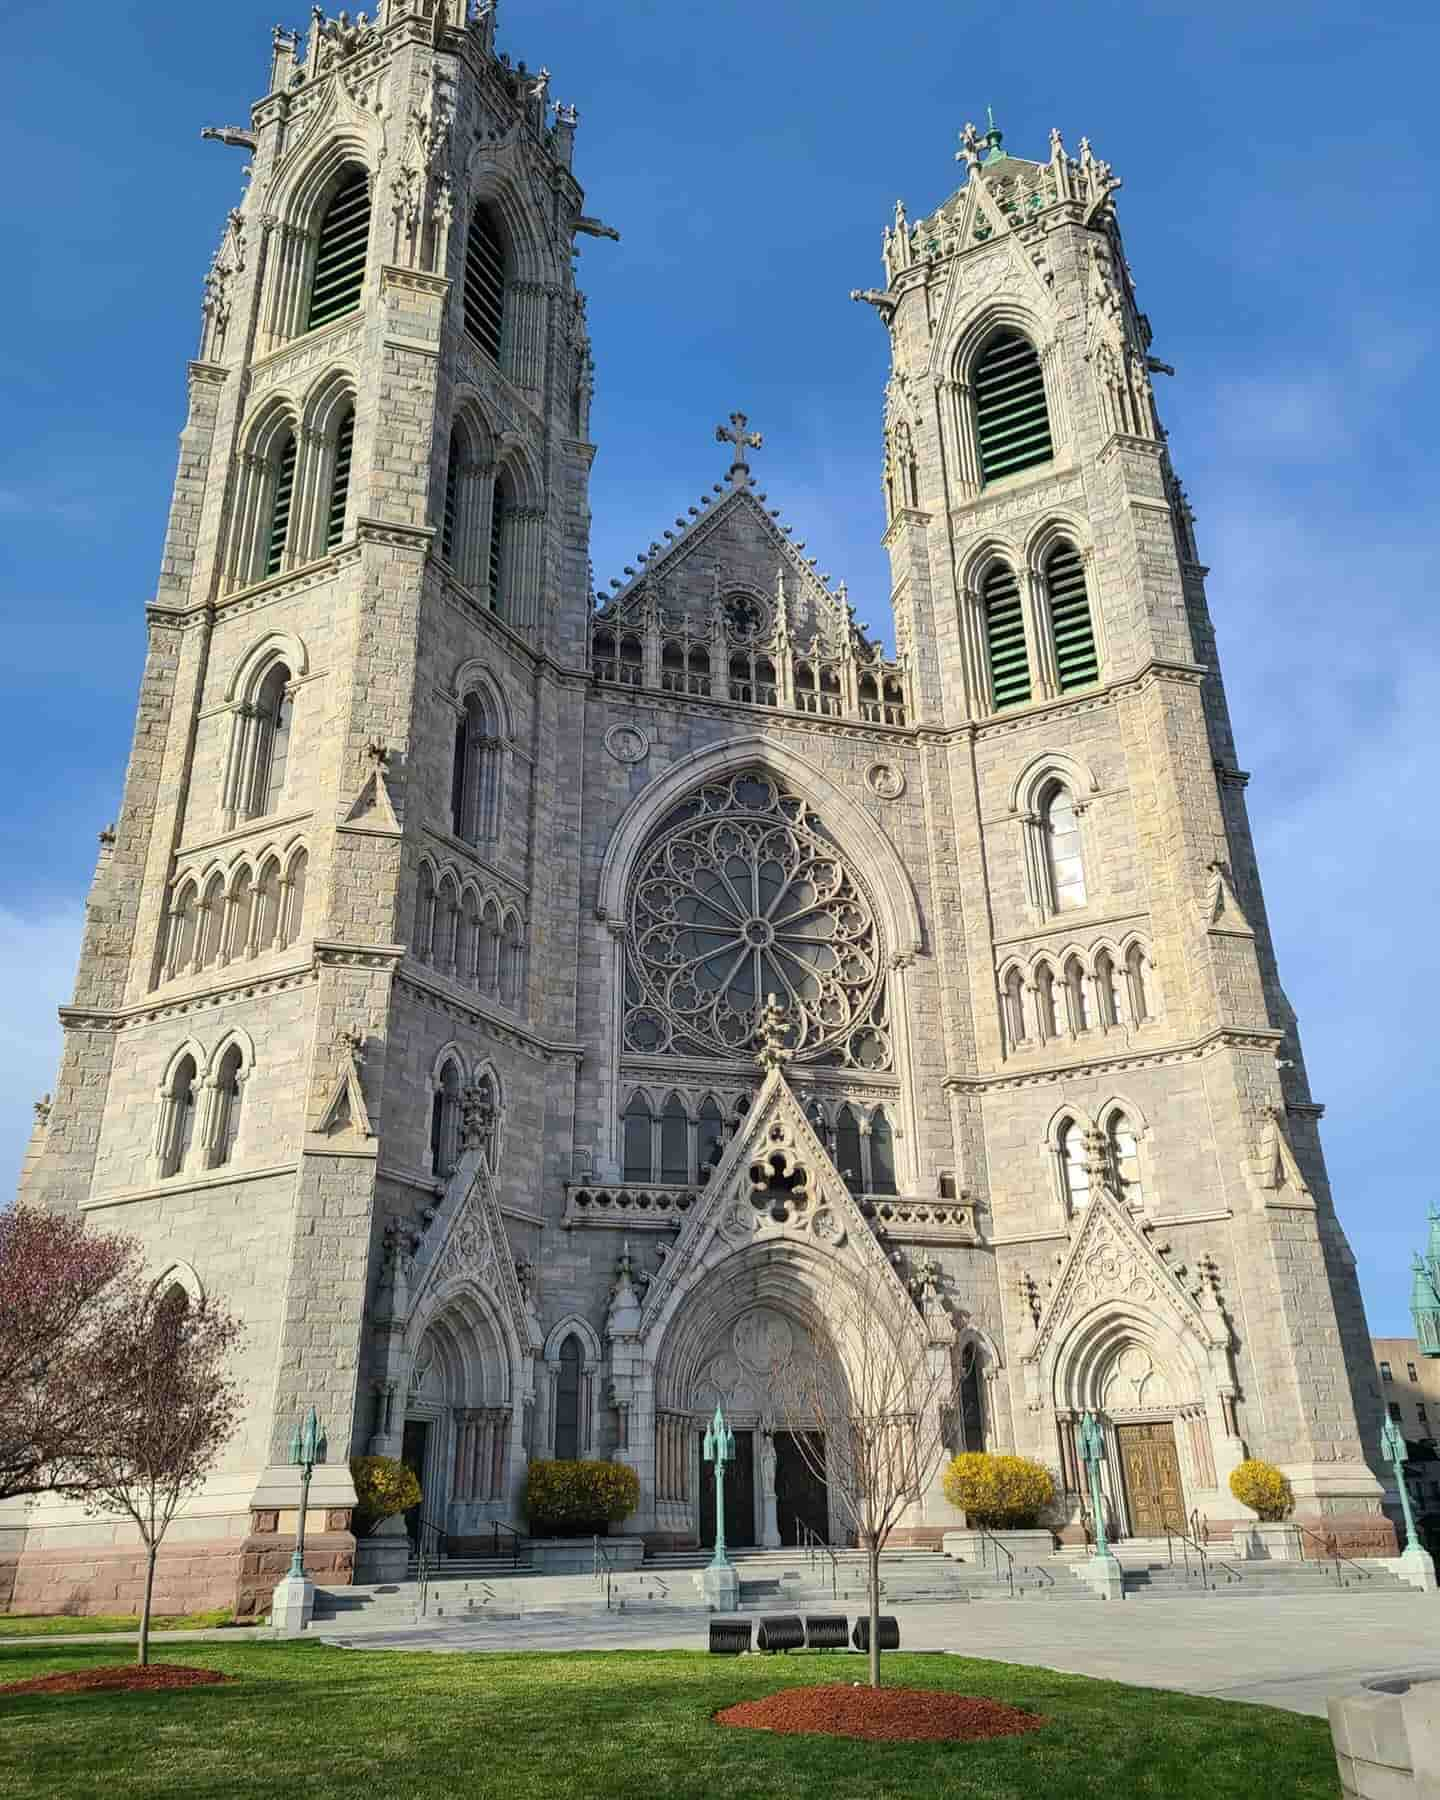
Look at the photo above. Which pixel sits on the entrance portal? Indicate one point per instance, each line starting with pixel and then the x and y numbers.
pixel 412 1454
pixel 802 1498
pixel 1152 1477
pixel 739 1496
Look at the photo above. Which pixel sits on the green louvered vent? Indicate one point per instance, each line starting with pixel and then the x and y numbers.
pixel 485 284
pixel 1005 639
pixel 280 508
pixel 497 544
pixel 452 496
pixel 1010 417
pixel 340 254
pixel 340 483
pixel 1075 654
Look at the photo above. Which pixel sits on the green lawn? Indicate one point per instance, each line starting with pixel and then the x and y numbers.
pixel 304 1719
pixel 72 1625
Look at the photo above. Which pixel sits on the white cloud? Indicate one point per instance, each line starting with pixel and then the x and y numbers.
pixel 37 974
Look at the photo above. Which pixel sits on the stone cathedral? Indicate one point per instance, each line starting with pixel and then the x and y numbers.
pixel 521 1003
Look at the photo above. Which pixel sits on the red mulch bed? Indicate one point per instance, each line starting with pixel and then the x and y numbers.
pixel 118 1676
pixel 887 1714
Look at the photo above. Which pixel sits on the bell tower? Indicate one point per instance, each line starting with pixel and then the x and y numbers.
pixel 310 999
pixel 1113 1014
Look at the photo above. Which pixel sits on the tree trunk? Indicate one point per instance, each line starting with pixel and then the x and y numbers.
pixel 874 1614
pixel 151 1552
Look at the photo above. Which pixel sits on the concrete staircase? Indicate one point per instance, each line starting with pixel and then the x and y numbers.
pixel 794 1581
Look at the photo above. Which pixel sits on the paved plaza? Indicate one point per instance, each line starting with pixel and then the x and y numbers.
pixel 1292 1650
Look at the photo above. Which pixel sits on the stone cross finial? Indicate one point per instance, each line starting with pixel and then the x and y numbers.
pixel 377 754
pixel 773 1030
pixel 743 440
pixel 352 1038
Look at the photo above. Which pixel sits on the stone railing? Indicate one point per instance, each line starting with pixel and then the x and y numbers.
pixel 923 1221
pixel 641 1206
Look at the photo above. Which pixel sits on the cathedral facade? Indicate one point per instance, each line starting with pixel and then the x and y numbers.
pixel 523 1004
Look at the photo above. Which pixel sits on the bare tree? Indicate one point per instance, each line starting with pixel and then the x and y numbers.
pixel 59 1288
pixel 165 1406
pixel 878 1385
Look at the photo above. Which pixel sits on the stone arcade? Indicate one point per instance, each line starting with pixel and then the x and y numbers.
pixel 422 1006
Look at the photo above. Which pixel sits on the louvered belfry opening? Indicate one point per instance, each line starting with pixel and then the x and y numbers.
pixel 340 480
pixel 1012 422
pixel 1005 638
pixel 340 254
pixel 281 505
pixel 452 498
pixel 485 284
pixel 495 564
pixel 1076 658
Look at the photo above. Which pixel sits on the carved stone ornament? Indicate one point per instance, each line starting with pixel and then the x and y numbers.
pixel 885 780
pixel 627 743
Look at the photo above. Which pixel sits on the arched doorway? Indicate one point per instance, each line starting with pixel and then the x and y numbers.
pixel 459 1420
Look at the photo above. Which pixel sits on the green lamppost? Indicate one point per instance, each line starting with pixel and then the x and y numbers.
pixel 1425 1292
pixel 1102 1570
pixel 307 1447
pixel 1392 1445
pixel 719 1450
pixel 1092 1454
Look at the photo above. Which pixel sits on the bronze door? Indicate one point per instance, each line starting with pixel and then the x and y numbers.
pixel 801 1495
pixel 1152 1478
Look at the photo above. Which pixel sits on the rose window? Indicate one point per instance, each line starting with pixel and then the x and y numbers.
pixel 739 895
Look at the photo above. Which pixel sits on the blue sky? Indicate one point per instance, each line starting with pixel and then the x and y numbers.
pixel 1279 213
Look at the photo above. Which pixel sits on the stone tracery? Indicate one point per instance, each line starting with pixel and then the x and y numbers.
pixel 740 894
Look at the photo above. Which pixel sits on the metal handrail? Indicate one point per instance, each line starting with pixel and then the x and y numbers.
pixel 813 1542
pixel 602 1568
pixel 988 1537
pixel 1332 1553
pixel 1206 1557
pixel 496 1527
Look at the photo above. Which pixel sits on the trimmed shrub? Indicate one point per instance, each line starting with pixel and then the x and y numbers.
pixel 575 1499
pixel 998 1490
pixel 1261 1487
pixel 383 1487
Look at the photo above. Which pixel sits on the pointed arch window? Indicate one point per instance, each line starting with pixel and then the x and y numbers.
pixel 710 1138
pixel 1137 984
pixel 225 1121
pixel 567 1400
pixel 848 1158
pixel 674 1143
pixel 485 284
pixel 340 251
pixel 1077 994
pixel 1012 420
pixel 340 480
pixel 452 496
pixel 1077 661
pixel 274 711
pixel 882 1154
pixel 638 1134
pixel 1005 649
pixel 295 911
pixel 475 773
pixel 497 557
pixel 1013 993
pixel 512 955
pixel 972 1401
pixel 1064 862
pixel 1125 1159
pixel 423 941
pixel 177 1117
pixel 282 504
pixel 184 918
pixel 1047 1004
pixel 1107 989
pixel 445 1122
pixel 1074 1171
pixel 242 909
pixel 212 922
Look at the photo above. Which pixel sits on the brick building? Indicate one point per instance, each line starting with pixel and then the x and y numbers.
pixel 422 982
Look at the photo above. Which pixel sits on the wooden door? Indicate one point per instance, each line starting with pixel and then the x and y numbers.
pixel 802 1497
pixel 1152 1478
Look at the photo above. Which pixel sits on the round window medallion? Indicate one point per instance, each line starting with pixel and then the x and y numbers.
pixel 627 743
pixel 885 781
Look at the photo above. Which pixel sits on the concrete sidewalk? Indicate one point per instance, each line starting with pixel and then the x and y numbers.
pixel 1292 1651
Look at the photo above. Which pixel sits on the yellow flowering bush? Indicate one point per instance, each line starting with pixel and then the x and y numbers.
pixel 383 1487
pixel 998 1490
pixel 571 1499
pixel 1261 1487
